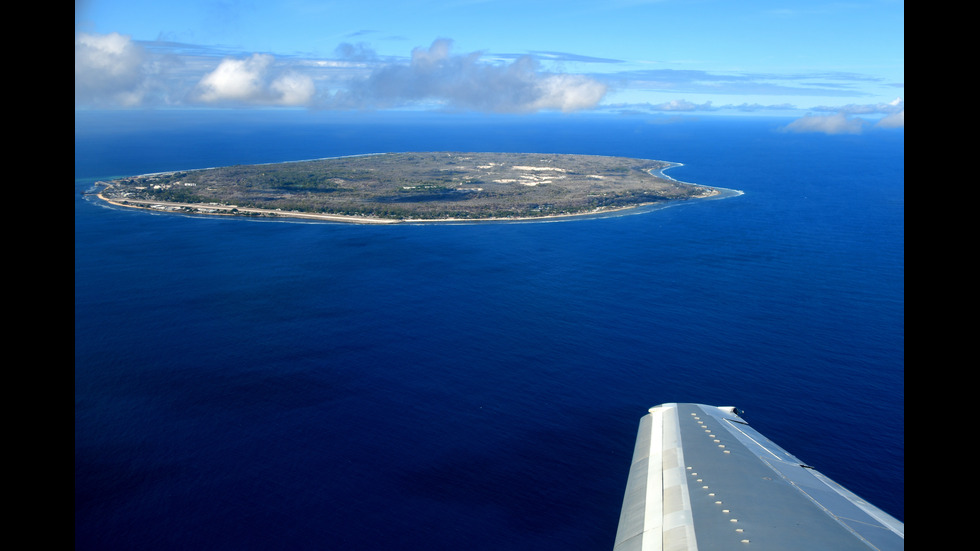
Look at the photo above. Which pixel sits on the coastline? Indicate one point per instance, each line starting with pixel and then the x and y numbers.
pixel 271 214
pixel 214 209
pixel 659 172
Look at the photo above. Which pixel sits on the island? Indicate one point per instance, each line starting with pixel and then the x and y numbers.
pixel 411 187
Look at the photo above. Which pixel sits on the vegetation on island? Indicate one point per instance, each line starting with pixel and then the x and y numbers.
pixel 411 186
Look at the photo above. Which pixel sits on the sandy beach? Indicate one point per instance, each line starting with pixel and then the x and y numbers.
pixel 233 210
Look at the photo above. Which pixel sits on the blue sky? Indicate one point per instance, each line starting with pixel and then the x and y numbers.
pixel 835 66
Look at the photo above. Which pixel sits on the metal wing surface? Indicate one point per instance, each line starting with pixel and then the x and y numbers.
pixel 702 478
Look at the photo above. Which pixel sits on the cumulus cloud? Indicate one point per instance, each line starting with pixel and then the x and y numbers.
pixel 567 93
pixel 114 70
pixel 254 80
pixel 838 123
pixel 844 121
pixel 109 69
pixel 235 79
pixel 292 88
pixel 435 76
pixel 895 117
pixel 895 120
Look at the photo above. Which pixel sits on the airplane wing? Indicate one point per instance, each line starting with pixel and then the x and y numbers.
pixel 702 478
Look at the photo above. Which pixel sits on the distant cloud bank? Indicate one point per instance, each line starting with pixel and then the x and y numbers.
pixel 435 76
pixel 114 71
pixel 829 124
pixel 844 120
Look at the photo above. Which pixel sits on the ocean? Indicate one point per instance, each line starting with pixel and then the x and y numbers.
pixel 258 384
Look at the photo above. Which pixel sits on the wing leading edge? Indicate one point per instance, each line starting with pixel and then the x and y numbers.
pixel 701 477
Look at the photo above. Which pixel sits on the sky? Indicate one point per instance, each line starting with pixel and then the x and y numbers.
pixel 835 67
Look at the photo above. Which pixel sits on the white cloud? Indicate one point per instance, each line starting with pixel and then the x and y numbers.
pixel 113 70
pixel 109 69
pixel 895 120
pixel 888 108
pixel 682 105
pixel 293 89
pixel 436 77
pixel 253 80
pixel 568 93
pixel 235 80
pixel 828 124
pixel 844 121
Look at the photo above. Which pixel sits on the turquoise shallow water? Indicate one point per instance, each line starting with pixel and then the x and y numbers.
pixel 257 384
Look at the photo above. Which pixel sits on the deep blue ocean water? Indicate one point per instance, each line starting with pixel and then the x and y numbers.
pixel 257 384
